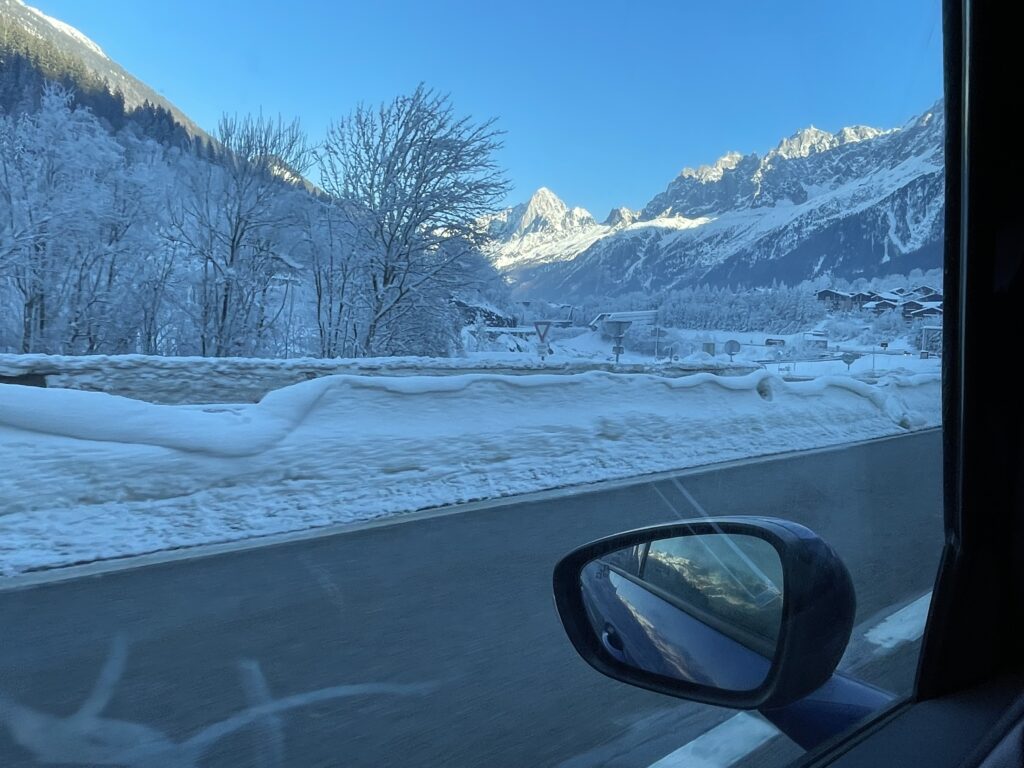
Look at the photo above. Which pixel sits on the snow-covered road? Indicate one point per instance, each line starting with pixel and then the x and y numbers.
pixel 89 475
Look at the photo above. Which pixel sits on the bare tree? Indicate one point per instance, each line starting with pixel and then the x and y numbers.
pixel 414 180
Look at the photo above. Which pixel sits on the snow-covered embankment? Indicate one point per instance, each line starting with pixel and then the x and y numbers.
pixel 89 475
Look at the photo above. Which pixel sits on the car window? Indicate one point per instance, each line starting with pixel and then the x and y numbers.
pixel 327 330
pixel 627 560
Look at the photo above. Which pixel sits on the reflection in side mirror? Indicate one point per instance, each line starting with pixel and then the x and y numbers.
pixel 702 609
pixel 751 613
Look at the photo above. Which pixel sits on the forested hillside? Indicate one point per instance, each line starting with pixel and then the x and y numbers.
pixel 123 230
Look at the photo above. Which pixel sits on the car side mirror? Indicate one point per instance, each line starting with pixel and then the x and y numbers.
pixel 744 612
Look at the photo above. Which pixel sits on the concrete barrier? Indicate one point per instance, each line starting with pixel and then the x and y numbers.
pixel 181 380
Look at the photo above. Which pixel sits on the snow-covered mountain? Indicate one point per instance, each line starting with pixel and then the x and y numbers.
pixel 20 22
pixel 540 230
pixel 858 202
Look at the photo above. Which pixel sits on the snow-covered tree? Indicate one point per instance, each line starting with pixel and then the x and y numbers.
pixel 61 239
pixel 236 223
pixel 338 279
pixel 413 181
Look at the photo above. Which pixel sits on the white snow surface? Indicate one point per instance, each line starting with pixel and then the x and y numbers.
pixel 88 475
pixel 903 626
pixel 68 30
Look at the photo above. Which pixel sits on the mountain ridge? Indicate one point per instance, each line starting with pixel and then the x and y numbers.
pixel 857 202
pixel 860 201
pixel 25 30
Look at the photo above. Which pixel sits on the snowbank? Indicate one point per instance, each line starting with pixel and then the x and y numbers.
pixel 89 475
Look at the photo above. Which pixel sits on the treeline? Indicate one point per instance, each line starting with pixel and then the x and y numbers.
pixel 112 241
pixel 778 309
pixel 910 281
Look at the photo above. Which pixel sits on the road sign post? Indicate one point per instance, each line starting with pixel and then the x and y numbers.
pixel 617 330
pixel 849 358
pixel 542 327
pixel 732 347
pixel 658 332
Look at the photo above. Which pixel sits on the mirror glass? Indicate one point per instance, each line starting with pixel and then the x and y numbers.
pixel 703 608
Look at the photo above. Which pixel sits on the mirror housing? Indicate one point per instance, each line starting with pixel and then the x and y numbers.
pixel 817 612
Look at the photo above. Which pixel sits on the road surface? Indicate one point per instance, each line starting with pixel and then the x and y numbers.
pixel 449 616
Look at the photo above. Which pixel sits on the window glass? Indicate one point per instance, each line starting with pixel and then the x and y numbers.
pixel 627 560
pixel 327 328
pixel 733 581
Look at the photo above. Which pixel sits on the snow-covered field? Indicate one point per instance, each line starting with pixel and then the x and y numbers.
pixel 89 475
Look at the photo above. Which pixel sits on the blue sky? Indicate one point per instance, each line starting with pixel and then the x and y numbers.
pixel 602 102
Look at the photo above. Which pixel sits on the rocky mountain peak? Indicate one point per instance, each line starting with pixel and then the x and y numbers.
pixel 621 217
pixel 715 171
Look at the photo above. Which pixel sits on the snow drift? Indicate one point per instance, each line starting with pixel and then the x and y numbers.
pixel 90 475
